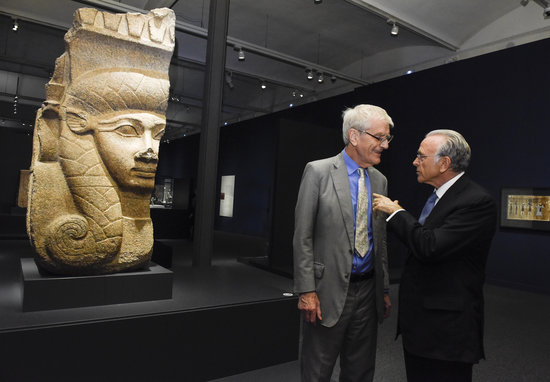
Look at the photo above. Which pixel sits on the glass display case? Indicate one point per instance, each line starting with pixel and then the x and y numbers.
pixel 163 194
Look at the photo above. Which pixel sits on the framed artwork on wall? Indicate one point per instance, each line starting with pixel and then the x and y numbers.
pixel 227 195
pixel 525 207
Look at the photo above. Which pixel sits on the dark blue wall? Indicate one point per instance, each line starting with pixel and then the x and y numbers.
pixel 498 102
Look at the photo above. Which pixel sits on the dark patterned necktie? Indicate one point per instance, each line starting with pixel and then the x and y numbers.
pixel 428 207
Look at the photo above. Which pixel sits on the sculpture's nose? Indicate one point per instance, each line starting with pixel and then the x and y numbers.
pixel 147 156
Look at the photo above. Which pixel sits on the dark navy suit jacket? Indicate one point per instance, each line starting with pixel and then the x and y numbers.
pixel 441 291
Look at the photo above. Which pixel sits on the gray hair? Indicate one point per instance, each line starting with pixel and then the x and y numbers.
pixel 455 147
pixel 360 118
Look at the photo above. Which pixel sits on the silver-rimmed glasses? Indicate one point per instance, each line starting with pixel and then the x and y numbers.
pixel 386 138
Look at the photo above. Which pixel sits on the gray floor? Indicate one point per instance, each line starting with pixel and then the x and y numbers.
pixel 517 343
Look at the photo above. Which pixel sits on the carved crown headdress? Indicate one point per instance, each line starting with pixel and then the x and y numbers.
pixel 100 41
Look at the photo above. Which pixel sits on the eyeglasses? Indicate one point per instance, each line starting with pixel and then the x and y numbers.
pixel 387 138
pixel 421 157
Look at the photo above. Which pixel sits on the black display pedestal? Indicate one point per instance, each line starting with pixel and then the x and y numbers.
pixel 222 320
pixel 45 292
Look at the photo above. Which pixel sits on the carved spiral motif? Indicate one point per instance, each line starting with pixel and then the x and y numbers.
pixel 69 241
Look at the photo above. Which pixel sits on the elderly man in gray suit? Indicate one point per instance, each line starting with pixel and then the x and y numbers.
pixel 340 258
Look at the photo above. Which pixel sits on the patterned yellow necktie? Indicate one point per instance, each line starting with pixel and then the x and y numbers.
pixel 361 220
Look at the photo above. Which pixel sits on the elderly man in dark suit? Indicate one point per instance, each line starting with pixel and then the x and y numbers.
pixel 340 259
pixel 441 292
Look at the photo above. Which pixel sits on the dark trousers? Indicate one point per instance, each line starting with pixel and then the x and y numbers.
pixel 420 369
pixel 353 338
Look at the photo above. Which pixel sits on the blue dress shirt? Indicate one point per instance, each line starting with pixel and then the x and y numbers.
pixel 360 264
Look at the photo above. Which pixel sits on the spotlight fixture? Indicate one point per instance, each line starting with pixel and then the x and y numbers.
pixel 543 3
pixel 333 78
pixel 309 74
pixel 320 77
pixel 394 29
pixel 263 85
pixel 317 1
pixel 240 52
pixel 15 25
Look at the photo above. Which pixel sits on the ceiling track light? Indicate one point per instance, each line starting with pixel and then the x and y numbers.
pixel 263 85
pixel 545 4
pixel 320 77
pixel 240 54
pixel 309 74
pixel 394 29
pixel 15 25
pixel 317 1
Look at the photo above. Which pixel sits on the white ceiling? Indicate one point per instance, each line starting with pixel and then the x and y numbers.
pixel 347 40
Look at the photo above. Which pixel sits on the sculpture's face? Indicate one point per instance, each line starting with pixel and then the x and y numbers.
pixel 128 142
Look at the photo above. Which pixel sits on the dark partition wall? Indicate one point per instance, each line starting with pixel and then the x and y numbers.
pixel 16 145
pixel 298 143
pixel 247 151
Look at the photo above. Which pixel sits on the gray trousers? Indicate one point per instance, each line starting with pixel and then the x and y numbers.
pixel 353 338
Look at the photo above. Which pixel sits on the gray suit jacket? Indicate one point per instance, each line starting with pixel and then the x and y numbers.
pixel 324 236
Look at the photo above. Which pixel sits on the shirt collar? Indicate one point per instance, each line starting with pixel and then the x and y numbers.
pixel 445 187
pixel 350 163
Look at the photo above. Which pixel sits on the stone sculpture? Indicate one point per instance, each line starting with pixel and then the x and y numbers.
pixel 96 143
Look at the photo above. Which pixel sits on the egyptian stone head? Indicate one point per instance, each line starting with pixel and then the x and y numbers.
pixel 96 144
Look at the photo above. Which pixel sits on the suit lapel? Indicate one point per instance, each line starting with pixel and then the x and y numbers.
pixel 448 199
pixel 375 185
pixel 340 179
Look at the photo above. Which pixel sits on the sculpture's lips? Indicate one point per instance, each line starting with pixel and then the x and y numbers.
pixel 144 172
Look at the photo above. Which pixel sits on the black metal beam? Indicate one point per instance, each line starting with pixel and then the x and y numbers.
pixel 209 141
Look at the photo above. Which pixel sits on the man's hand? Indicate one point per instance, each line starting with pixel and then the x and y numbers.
pixel 384 204
pixel 310 306
pixel 387 305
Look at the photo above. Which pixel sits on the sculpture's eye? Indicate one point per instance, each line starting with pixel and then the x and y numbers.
pixel 127 131
pixel 158 132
